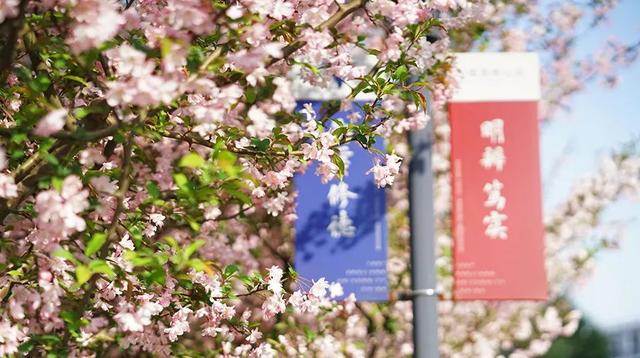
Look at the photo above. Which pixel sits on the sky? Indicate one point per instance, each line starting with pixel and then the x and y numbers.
pixel 599 122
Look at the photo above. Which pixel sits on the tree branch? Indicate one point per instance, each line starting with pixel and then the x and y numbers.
pixel 8 51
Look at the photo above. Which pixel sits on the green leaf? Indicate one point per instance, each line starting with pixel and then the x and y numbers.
pixel 226 161
pixel 60 252
pixel 157 275
pixel 16 274
pixel 194 58
pixel 27 346
pixel 401 73
pixel 195 226
pixel 197 265
pixel 138 259
pixel 292 273
pixel 97 240
pixel 172 242
pixel 309 334
pixel 40 84
pixel 83 274
pixel 230 270
pixel 340 131
pixel 152 189
pixel 57 183
pixel 77 79
pixel 101 266
pixel 191 249
pixel 337 160
pixel 192 160
pixel 250 95
pixel 180 180
pixel 311 67
pixel 72 318
pixel 261 144
pixel 166 46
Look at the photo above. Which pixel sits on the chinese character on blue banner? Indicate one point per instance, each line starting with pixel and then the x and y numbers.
pixel 341 231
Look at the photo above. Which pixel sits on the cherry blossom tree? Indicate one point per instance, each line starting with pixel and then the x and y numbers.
pixel 147 151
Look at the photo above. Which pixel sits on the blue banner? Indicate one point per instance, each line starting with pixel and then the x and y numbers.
pixel 341 231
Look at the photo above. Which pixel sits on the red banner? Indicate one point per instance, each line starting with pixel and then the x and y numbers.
pixel 497 211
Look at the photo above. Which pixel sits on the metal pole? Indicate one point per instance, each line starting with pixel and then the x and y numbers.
pixel 423 273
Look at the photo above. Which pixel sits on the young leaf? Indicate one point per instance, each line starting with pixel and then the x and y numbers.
pixel 153 190
pixel 191 249
pixel 192 160
pixel 60 252
pixel 83 274
pixel 230 270
pixel 97 240
pixel 101 266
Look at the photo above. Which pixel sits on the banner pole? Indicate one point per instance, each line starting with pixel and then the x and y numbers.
pixel 423 273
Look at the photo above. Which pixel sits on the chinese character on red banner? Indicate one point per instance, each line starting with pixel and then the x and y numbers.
pixel 497 209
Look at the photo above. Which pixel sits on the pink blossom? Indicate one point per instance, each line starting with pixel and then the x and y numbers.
pixel 392 51
pixel 262 124
pixel 8 9
pixel 384 175
pixel 515 40
pixel 91 156
pixel 129 61
pixel 179 324
pixel 309 112
pixel 326 171
pixel 8 187
pixel 274 179
pixel 281 9
pixel 293 132
pixel 235 12
pixel 136 321
pixel 274 206
pixel 51 123
pixel 104 184
pixel 212 212
pixel 254 336
pixel 58 213
pixel 257 34
pixel 272 306
pixel 275 277
pixel 416 119
pixel 316 51
pixel 315 15
pixel 96 22
pixel 319 288
pixel 335 290
pixel 265 350
pixel 296 299
pixel 277 9
pixel 11 337
pixel 283 94
pixel 175 58
pixel 136 83
pixel 191 15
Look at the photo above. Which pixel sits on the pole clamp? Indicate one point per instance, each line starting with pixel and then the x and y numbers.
pixel 425 292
